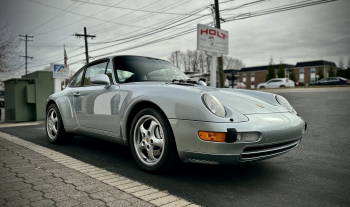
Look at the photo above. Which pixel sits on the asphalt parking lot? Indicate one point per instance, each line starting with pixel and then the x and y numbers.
pixel 316 173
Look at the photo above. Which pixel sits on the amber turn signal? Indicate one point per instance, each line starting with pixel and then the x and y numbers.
pixel 212 136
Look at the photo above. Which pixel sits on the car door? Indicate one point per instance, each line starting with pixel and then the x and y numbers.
pixel 270 84
pixel 323 81
pixel 96 106
pixel 333 81
pixel 277 83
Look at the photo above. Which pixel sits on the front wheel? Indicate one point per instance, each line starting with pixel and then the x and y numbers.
pixel 152 142
pixel 54 126
pixel 282 86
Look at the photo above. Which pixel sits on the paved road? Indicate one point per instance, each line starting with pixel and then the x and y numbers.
pixel 316 173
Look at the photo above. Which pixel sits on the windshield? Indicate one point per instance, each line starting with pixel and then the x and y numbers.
pixel 134 69
pixel 2 94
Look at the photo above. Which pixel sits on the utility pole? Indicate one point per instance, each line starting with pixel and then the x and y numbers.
pixel 26 56
pixel 86 43
pixel 177 63
pixel 220 64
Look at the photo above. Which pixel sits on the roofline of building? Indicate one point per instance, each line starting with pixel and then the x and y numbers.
pixel 313 66
pixel 315 61
pixel 265 65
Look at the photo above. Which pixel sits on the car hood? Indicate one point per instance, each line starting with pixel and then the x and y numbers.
pixel 246 103
pixel 243 101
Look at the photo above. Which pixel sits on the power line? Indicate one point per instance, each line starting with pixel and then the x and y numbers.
pixel 145 17
pixel 157 30
pixel 94 17
pixel 140 10
pixel 100 24
pixel 277 10
pixel 154 14
pixel 82 19
pixel 246 15
pixel 192 30
pixel 53 18
pixel 126 15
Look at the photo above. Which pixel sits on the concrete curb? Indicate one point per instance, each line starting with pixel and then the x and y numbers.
pixel 136 189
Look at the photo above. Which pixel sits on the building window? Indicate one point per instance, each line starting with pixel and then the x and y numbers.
pixel 244 75
pixel 313 75
pixel 252 75
pixel 301 75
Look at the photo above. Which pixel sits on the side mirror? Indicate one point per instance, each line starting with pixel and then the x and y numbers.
pixel 202 83
pixel 100 79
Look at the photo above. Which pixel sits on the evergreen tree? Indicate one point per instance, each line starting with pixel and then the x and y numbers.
pixel 270 70
pixel 331 72
pixel 291 75
pixel 347 71
pixel 341 73
pixel 320 74
pixel 281 72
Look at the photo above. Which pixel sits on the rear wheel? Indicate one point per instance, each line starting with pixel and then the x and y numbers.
pixel 262 87
pixel 54 126
pixel 282 86
pixel 152 142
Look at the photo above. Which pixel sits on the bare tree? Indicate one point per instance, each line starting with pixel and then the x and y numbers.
pixel 348 66
pixel 10 62
pixel 172 58
pixel 201 59
pixel 341 63
pixel 232 63
pixel 197 61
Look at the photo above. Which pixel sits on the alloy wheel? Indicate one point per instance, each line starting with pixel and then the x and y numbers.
pixel 51 123
pixel 149 140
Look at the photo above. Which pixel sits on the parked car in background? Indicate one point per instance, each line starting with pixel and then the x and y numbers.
pixel 277 83
pixel 239 85
pixel 331 81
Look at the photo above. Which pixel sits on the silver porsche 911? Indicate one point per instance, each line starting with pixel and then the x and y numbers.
pixel 165 117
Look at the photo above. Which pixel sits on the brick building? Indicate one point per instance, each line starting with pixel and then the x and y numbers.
pixel 304 72
pixel 252 76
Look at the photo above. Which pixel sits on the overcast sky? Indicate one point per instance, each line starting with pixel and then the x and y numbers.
pixel 311 33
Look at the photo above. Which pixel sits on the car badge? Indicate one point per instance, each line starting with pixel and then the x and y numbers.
pixel 260 105
pixel 147 140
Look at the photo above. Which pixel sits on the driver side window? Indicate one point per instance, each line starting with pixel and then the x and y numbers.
pixel 93 70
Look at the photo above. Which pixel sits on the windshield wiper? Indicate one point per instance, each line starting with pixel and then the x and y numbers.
pixel 180 80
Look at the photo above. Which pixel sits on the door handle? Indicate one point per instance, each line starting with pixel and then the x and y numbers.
pixel 76 94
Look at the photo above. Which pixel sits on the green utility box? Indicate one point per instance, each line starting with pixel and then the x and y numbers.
pixel 25 98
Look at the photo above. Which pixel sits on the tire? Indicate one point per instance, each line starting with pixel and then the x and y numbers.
pixel 282 86
pixel 54 128
pixel 262 87
pixel 152 142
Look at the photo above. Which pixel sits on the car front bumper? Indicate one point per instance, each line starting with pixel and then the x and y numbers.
pixel 279 133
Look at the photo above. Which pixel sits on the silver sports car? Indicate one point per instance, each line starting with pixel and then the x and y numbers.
pixel 165 117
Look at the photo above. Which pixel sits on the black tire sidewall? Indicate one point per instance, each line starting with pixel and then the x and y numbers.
pixel 169 141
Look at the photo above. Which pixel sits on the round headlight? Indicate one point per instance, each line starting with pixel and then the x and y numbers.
pixel 283 102
pixel 214 105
